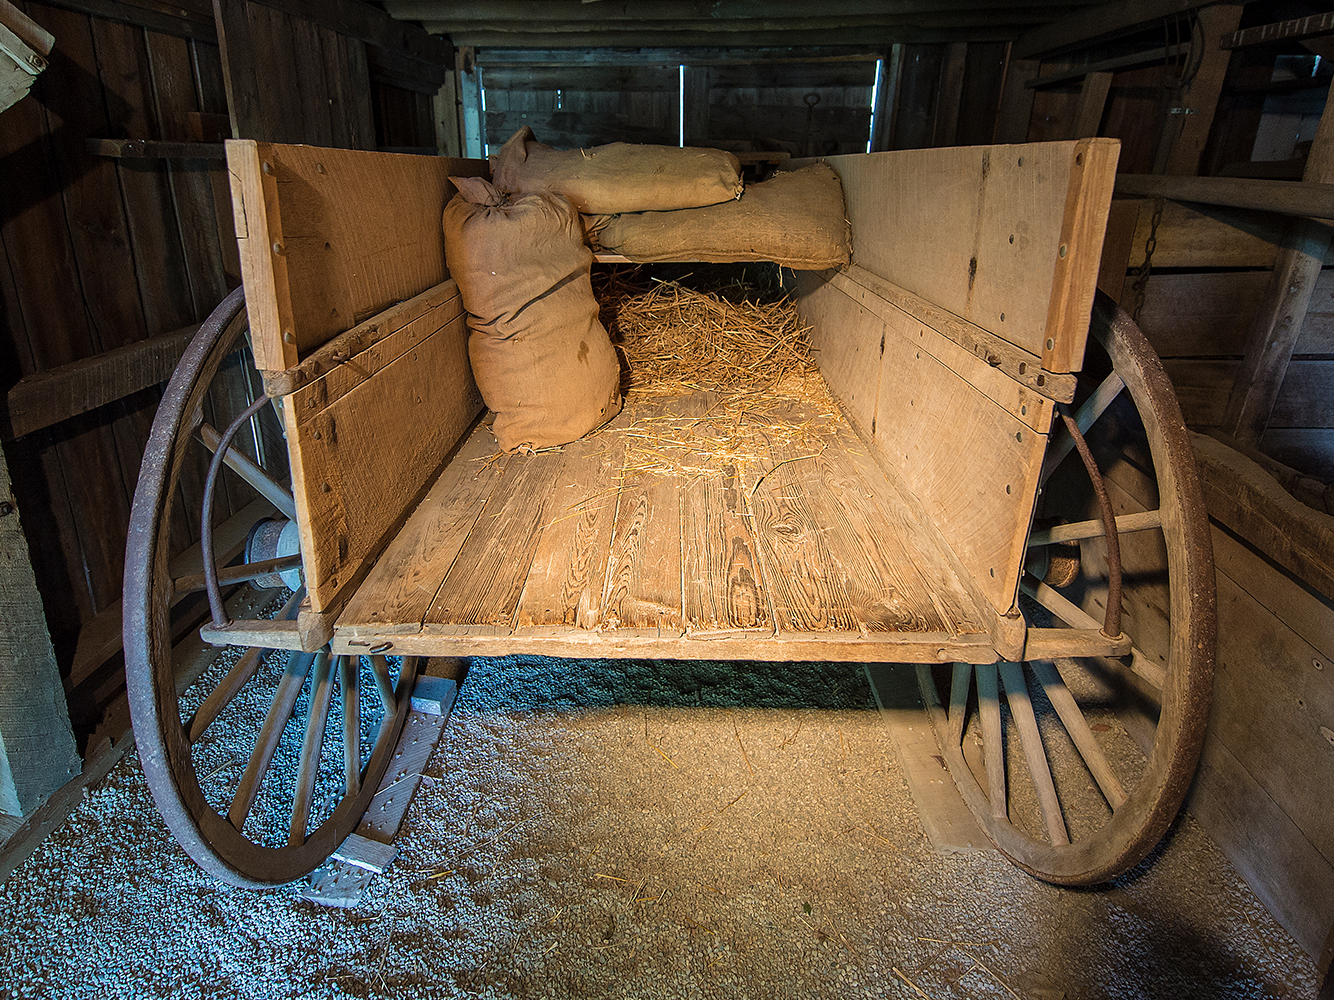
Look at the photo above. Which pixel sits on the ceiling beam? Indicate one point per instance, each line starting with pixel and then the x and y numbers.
pixel 652 38
pixel 638 12
pixel 1097 24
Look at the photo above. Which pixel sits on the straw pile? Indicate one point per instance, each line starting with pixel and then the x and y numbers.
pixel 737 352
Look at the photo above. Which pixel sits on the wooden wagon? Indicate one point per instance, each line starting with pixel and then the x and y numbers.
pixel 970 361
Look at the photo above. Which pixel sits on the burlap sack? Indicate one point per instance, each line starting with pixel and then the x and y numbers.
pixel 796 219
pixel 542 360
pixel 619 177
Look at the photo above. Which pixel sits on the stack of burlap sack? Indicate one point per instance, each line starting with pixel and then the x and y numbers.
pixel 518 247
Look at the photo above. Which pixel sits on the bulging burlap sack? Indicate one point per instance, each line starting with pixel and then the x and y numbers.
pixel 540 356
pixel 796 219
pixel 619 177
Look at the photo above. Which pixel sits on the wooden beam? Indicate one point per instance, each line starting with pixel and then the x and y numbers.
pixel 1274 334
pixel 47 398
pixel 368 24
pixel 1281 31
pixel 950 94
pixel 635 11
pixel 238 70
pixel 672 56
pixel 1303 199
pixel 25 29
pixel 1249 502
pixel 1120 62
pixel 173 20
pixel 1092 103
pixel 1096 24
pixel 37 753
pixel 1204 89
pixel 652 36
pixel 149 149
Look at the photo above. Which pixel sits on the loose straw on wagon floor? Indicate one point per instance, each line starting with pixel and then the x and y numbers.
pixel 748 354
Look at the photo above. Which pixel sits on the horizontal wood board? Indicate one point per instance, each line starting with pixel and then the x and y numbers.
pixel 330 237
pixel 965 439
pixel 367 437
pixel 573 550
pixel 979 231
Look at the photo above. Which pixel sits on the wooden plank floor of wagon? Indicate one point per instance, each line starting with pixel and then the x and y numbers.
pixel 671 532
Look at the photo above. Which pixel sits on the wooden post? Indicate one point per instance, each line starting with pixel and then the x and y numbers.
pixel 1273 335
pixel 887 99
pixel 473 130
pixel 695 106
pixel 37 752
pixel 445 106
pixel 1216 23
pixel 1092 103
pixel 238 70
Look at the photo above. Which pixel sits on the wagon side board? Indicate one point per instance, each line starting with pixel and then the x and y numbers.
pixel 955 331
pixel 356 324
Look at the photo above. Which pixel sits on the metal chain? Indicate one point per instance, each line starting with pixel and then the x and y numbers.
pixel 1142 275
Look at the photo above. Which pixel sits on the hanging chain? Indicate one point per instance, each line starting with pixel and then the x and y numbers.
pixel 1141 282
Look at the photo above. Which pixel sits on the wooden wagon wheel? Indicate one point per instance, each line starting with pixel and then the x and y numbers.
pixel 272 704
pixel 1076 767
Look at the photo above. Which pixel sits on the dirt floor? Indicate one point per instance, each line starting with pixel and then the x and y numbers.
pixel 594 829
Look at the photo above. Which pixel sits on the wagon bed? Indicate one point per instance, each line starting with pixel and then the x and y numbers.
pixel 809 555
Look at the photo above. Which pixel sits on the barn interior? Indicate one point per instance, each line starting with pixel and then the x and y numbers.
pixel 592 826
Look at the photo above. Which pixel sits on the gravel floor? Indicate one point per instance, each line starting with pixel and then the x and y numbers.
pixel 640 830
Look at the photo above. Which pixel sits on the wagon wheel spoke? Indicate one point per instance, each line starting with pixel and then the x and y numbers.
pixel 384 687
pixel 1086 416
pixel 347 679
pixel 284 702
pixel 243 573
pixel 1021 708
pixel 321 693
pixel 266 486
pixel 959 687
pixel 1126 524
pixel 237 678
pixel 1080 733
pixel 1074 616
pixel 988 702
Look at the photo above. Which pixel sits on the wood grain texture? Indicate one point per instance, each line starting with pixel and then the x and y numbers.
pixel 482 589
pixel 331 237
pixel 644 588
pixel 595 553
pixel 569 570
pixel 396 595
pixel 847 341
pixel 723 585
pixel 1270 698
pixel 1079 254
pixel 978 231
pixel 366 439
pixel 1246 500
